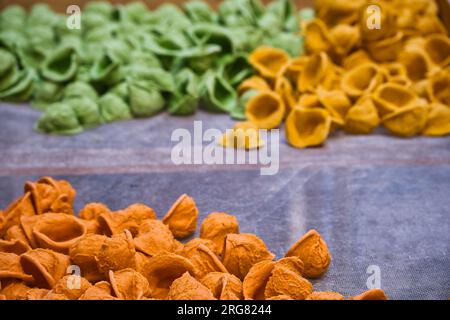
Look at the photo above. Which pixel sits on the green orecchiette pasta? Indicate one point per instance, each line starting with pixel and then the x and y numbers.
pixel 128 61
pixel 80 89
pixel 61 66
pixel 185 100
pixel 200 11
pixel 45 93
pixel 106 70
pixel 87 111
pixel 219 95
pixel 22 89
pixel 145 101
pixel 238 112
pixel 59 118
pixel 7 62
pixel 113 108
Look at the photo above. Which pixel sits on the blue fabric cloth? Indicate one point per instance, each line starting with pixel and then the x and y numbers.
pixel 376 200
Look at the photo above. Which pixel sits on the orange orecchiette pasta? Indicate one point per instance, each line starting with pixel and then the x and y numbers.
pixel 49 195
pixel 224 286
pixel 162 270
pixel 116 253
pixel 242 251
pixel 53 256
pixel 313 252
pixel 126 219
pixel 269 279
pixel 217 226
pixel 188 288
pixel 128 284
pixel 92 211
pixel 372 294
pixel 203 259
pixel 11 268
pixel 182 217
pixel 16 246
pixel 154 237
pixel 46 266
pixel 58 232
pixel 325 296
pixel 70 287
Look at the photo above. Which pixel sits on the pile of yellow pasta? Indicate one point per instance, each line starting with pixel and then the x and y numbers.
pixel 355 76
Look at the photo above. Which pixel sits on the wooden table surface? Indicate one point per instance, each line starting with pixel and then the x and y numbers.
pixel 377 200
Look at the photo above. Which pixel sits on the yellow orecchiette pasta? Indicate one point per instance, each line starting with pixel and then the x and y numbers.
pixel 307 127
pixel 439 88
pixel 408 121
pixel 387 22
pixel 253 83
pixel 344 38
pixel 315 70
pixel 361 80
pixel 334 12
pixel 391 97
pixel 266 110
pixel 438 49
pixel 244 135
pixel 362 118
pixel 268 61
pixel 438 122
pixel 285 90
pixel 416 62
pixel 317 37
pixel 367 63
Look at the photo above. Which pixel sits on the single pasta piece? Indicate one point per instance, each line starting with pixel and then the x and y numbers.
pixel 438 121
pixel 313 251
pixel 308 127
pixel 390 97
pixel 408 121
pixel 244 135
pixel 361 80
pixel 372 294
pixel 182 217
pixel 268 61
pixel 362 118
pixel 266 110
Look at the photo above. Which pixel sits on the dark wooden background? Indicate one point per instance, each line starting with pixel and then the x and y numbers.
pixel 61 5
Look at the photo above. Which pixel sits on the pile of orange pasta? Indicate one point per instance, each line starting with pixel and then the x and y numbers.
pixel 48 253
pixel 369 63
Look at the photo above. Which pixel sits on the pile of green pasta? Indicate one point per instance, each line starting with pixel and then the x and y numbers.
pixel 127 61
